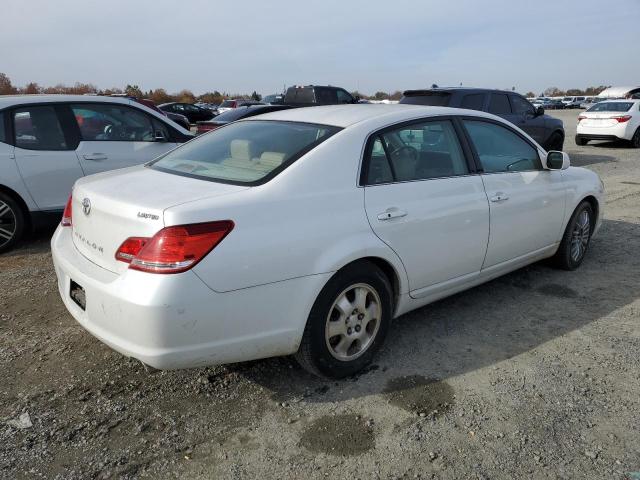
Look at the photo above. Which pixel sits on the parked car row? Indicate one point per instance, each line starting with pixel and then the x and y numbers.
pixel 373 188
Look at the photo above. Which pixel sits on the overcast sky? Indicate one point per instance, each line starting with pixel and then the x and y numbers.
pixel 240 46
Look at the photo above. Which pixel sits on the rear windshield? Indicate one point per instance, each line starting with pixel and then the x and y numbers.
pixel 433 99
pixel 244 153
pixel 611 107
pixel 232 115
pixel 299 95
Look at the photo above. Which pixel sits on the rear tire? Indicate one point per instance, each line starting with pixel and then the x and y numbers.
pixel 348 322
pixel 12 222
pixel 576 239
pixel 581 141
pixel 635 140
pixel 555 142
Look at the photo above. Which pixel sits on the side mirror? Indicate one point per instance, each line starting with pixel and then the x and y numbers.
pixel 159 136
pixel 557 160
pixel 539 111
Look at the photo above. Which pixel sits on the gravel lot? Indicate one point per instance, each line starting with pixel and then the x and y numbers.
pixel 534 375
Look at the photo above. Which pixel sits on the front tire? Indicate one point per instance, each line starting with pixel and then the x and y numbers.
pixel 555 142
pixel 12 222
pixel 576 238
pixel 348 322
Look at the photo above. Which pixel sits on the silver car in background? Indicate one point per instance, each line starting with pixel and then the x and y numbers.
pixel 47 142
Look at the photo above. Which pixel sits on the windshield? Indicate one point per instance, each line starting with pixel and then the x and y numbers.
pixel 244 153
pixel 228 103
pixel 611 107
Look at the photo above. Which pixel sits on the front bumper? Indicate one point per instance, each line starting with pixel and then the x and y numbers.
pixel 176 321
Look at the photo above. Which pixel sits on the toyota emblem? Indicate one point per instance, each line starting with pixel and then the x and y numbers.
pixel 86 206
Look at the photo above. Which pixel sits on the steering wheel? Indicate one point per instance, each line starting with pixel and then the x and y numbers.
pixel 412 152
pixel 108 131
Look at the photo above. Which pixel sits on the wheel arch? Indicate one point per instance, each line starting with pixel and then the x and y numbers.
pixel 595 206
pixel 21 203
pixel 389 270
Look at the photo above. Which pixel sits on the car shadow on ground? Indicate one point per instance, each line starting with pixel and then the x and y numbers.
pixel 479 327
pixel 32 242
pixel 583 159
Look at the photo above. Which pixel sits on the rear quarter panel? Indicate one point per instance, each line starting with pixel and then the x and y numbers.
pixel 308 220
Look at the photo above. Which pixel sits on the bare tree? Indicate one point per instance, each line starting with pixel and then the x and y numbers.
pixel 6 88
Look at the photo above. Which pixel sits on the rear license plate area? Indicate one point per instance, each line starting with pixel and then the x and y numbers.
pixel 77 294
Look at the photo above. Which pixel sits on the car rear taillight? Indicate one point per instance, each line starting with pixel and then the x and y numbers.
pixel 173 249
pixel 621 118
pixel 67 215
pixel 581 117
pixel 130 248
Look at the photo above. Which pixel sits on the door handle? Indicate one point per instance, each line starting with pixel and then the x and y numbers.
pixel 391 213
pixel 95 156
pixel 499 197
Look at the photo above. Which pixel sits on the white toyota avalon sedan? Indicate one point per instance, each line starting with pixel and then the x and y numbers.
pixel 307 231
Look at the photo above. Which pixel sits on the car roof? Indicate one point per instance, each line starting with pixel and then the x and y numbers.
pixel 423 91
pixel 11 100
pixel 378 114
pixel 632 100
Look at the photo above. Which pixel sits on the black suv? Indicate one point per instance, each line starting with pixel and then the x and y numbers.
pixel 311 95
pixel 546 130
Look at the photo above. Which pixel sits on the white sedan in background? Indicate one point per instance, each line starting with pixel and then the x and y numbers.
pixel 610 120
pixel 306 231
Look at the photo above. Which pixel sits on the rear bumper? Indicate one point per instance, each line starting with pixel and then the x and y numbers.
pixel 176 321
pixel 621 131
pixel 590 136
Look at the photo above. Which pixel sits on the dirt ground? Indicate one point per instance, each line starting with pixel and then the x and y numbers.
pixel 534 375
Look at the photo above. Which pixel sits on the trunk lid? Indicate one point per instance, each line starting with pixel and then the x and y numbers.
pixel 599 119
pixel 108 208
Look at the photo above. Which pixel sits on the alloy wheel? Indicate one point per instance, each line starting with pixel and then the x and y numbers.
pixel 353 322
pixel 8 223
pixel 580 236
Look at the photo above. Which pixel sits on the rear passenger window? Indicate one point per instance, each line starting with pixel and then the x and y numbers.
pixel 499 104
pixel 326 96
pixel 38 128
pixel 500 149
pixel 117 123
pixel 344 97
pixel 473 101
pixel 416 152
pixel 379 168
